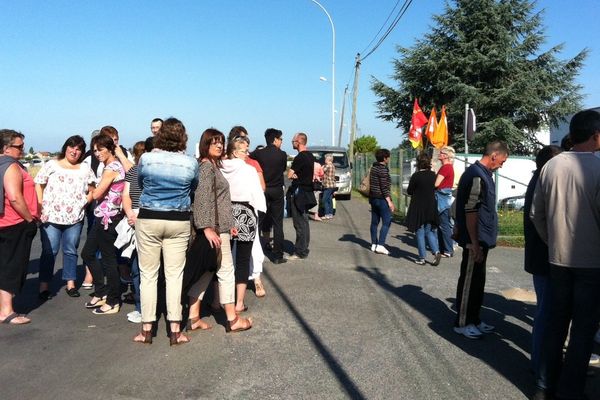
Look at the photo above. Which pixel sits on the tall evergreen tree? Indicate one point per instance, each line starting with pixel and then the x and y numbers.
pixel 486 53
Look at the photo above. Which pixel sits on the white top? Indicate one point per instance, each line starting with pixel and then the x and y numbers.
pixel 244 183
pixel 65 195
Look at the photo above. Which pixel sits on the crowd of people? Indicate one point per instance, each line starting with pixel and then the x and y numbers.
pixel 157 215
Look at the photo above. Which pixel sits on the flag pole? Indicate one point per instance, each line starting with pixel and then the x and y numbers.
pixel 465 131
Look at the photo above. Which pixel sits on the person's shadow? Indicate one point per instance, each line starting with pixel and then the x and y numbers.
pixel 395 252
pixel 497 349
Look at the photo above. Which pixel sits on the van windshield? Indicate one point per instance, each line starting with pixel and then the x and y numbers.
pixel 340 160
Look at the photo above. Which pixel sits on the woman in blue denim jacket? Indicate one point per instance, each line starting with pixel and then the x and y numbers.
pixel 166 176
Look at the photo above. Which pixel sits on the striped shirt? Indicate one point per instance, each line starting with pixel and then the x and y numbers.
pixel 134 187
pixel 380 181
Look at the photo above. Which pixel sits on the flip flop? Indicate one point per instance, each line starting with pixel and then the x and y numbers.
pixel 10 320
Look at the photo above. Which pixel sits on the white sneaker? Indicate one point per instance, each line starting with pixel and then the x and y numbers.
pixel 373 247
pixel 470 331
pixel 380 249
pixel 135 317
pixel 485 328
pixel 597 337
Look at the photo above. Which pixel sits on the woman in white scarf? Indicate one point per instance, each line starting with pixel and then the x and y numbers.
pixel 247 198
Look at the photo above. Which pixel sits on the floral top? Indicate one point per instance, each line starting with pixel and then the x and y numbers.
pixel 110 206
pixel 65 194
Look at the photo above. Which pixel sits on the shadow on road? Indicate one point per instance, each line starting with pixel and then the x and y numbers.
pixel 395 252
pixel 497 350
pixel 341 375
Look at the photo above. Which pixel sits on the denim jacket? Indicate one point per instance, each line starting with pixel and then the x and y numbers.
pixel 166 180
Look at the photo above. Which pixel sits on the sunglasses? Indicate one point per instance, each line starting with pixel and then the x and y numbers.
pixel 17 146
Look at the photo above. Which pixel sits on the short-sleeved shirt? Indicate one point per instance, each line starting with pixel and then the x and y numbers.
pixel 447 171
pixel 65 192
pixel 135 192
pixel 303 165
pixel 112 201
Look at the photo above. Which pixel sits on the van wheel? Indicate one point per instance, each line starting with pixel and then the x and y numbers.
pixel 344 196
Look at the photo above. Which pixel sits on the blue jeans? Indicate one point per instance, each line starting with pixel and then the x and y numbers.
pixel 52 235
pixel 135 278
pixel 430 232
pixel 541 284
pixel 446 232
pixel 380 211
pixel 574 300
pixel 328 201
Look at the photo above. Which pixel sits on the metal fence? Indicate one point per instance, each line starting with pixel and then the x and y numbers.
pixel 401 166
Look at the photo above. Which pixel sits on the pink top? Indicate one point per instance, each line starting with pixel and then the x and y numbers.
pixel 255 164
pixel 111 204
pixel 11 217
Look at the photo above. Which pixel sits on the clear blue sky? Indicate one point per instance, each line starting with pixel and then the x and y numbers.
pixel 69 67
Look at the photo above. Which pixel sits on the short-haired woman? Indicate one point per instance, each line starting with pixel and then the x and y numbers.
pixel 64 188
pixel 167 177
pixel 102 236
pixel 380 199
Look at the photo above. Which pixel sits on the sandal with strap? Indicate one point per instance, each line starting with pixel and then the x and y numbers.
pixel 174 339
pixel 190 325
pixel 146 335
pixel 259 289
pixel 245 327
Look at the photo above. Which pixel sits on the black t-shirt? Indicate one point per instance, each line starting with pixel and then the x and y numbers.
pixel 304 165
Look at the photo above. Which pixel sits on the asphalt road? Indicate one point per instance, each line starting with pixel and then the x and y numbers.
pixel 346 323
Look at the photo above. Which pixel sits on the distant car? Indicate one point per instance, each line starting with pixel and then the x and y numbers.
pixel 516 203
pixel 343 168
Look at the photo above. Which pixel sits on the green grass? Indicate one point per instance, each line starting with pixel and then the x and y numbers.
pixel 510 232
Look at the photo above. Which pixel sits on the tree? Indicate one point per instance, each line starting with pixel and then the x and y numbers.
pixel 365 144
pixel 31 150
pixel 485 53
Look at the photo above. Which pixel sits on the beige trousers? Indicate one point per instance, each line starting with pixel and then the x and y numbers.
pixel 225 276
pixel 170 237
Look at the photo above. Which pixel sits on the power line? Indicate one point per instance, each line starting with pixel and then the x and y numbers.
pixel 382 26
pixel 400 14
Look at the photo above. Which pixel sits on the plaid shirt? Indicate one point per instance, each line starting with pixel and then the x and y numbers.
pixel 329 176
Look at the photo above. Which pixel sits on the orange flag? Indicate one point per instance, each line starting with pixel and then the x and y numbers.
pixel 416 126
pixel 431 125
pixel 440 135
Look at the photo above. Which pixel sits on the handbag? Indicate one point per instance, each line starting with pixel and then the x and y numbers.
pixel 365 184
pixel 317 186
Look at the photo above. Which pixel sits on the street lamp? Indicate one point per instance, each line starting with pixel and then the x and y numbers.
pixel 332 72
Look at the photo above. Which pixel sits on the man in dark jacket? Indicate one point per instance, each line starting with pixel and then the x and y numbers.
pixel 273 162
pixel 476 231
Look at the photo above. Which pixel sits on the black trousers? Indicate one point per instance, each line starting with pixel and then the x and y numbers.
pixel 15 247
pixel 103 240
pixel 274 218
pixel 469 291
pixel 300 221
pixel 243 252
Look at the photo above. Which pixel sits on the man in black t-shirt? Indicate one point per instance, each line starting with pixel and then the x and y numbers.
pixel 302 196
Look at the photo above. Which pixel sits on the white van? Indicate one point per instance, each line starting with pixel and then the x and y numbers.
pixel 343 168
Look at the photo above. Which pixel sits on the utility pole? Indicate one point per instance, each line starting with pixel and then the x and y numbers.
pixel 466 135
pixel 354 96
pixel 342 117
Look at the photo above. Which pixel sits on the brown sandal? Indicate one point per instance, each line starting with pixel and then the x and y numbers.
pixel 147 337
pixel 190 325
pixel 248 325
pixel 174 339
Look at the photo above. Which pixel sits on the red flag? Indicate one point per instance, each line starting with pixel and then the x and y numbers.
pixel 431 125
pixel 416 125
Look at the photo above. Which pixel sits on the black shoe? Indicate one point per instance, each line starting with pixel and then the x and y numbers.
pixel 44 295
pixel 279 260
pixel 72 292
